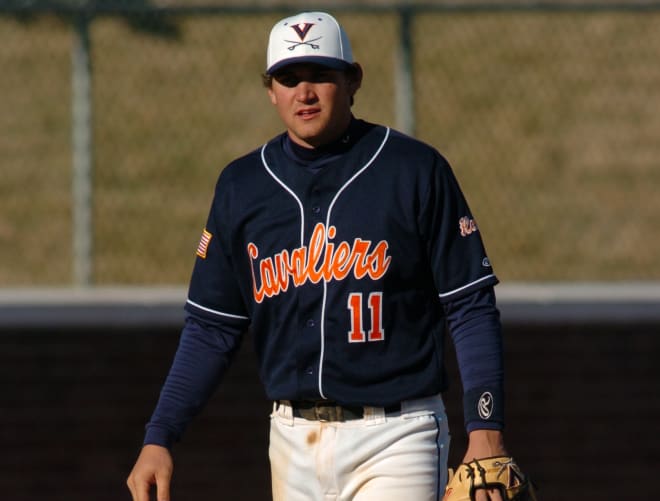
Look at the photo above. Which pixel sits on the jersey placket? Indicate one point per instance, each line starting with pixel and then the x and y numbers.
pixel 315 198
pixel 317 212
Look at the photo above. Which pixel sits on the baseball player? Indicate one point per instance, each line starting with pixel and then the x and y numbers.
pixel 346 248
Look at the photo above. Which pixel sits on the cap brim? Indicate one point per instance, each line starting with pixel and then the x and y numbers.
pixel 330 62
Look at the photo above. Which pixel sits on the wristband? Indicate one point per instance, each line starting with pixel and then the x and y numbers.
pixel 484 405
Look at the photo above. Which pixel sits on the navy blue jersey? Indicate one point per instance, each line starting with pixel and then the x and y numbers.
pixel 340 272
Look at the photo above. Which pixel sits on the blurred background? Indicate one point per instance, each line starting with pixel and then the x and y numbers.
pixel 117 117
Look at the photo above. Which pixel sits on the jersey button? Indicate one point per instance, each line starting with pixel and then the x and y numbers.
pixel 311 322
pixel 316 209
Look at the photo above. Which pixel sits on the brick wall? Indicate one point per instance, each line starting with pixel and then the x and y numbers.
pixel 583 414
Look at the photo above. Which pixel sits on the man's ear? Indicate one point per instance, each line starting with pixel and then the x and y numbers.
pixel 271 95
pixel 355 77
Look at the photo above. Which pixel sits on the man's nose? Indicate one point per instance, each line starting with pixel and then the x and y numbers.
pixel 305 91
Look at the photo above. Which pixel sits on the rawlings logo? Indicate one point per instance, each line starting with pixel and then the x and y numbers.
pixel 320 260
pixel 467 226
pixel 485 405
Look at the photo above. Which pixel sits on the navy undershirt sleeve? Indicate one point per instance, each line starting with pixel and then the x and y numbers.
pixel 476 331
pixel 204 353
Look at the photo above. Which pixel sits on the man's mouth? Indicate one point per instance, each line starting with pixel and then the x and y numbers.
pixel 308 113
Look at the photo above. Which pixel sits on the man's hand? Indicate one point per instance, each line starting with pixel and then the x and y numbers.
pixel 484 444
pixel 154 466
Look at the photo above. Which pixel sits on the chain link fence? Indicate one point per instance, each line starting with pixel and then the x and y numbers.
pixel 549 117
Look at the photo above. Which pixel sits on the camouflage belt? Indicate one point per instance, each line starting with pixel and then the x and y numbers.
pixel 324 410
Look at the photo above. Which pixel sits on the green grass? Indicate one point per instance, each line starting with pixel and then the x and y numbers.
pixel 550 122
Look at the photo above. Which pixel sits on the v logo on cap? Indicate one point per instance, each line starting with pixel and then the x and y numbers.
pixel 302 29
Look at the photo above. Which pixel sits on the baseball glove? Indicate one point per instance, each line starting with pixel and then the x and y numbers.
pixel 501 473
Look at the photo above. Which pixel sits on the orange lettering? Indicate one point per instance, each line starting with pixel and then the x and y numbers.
pixel 361 266
pixel 379 261
pixel 319 260
pixel 341 261
pixel 297 267
pixel 258 294
pixel 316 248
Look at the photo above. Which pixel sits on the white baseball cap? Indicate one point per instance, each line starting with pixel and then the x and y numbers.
pixel 308 37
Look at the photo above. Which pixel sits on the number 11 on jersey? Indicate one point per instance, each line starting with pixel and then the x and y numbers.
pixel 355 308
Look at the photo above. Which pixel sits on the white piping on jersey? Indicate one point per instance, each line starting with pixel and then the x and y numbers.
pixel 290 191
pixel 216 312
pixel 327 225
pixel 466 286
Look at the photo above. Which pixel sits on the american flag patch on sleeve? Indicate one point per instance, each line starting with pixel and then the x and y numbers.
pixel 204 244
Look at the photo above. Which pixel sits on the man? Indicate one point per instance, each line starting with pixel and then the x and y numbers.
pixel 345 247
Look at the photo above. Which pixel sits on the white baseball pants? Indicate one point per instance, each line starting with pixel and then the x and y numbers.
pixel 382 457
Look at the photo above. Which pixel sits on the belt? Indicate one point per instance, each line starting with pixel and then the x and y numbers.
pixel 325 410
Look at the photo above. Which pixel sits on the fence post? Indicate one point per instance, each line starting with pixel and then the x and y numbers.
pixel 403 74
pixel 81 78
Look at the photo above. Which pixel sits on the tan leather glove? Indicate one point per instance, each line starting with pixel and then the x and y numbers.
pixel 501 473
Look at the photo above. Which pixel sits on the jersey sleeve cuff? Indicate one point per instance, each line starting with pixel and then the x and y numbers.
pixel 214 316
pixel 159 435
pixel 467 289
